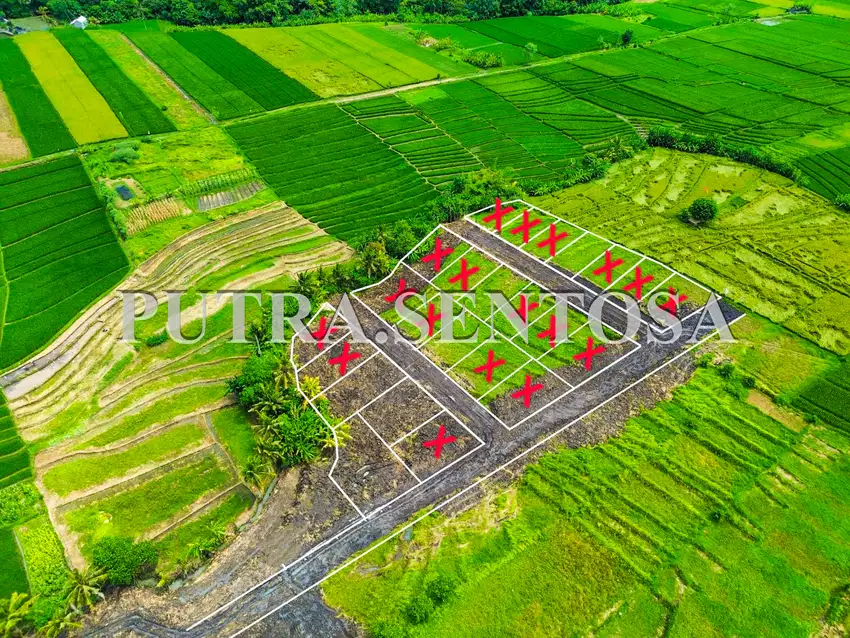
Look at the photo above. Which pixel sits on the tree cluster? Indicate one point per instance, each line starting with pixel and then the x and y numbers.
pixel 668 137
pixel 286 12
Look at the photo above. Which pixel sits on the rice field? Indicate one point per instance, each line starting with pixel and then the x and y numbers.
pixel 325 165
pixel 164 95
pixel 138 114
pixel 84 111
pixel 556 36
pixel 59 253
pixel 258 79
pixel 323 75
pixel 793 279
pixel 215 93
pixel 699 518
pixel 37 119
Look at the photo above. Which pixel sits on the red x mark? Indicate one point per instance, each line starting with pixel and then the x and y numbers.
pixel 551 333
pixel 610 265
pixel 464 274
pixel 433 318
pixel 525 226
pixel 440 441
pixel 343 359
pixel 588 354
pixel 525 307
pixel 492 364
pixel 553 239
pixel 438 254
pixel 637 284
pixel 527 391
pixel 322 332
pixel 402 291
pixel 497 214
pixel 673 302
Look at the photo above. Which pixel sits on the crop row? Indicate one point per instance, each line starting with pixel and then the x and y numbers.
pixel 84 111
pixel 331 169
pixel 14 458
pixel 435 155
pixel 215 93
pixel 138 114
pixel 247 71
pixel 59 252
pixel 40 124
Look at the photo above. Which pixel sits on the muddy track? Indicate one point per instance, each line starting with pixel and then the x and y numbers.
pixel 286 600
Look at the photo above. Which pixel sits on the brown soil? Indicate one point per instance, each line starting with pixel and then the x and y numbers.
pixel 12 145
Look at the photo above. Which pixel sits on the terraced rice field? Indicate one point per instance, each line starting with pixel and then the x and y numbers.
pixel 154 420
pixel 138 114
pixel 83 109
pixel 433 153
pixel 323 163
pixel 59 253
pixel 14 457
pixel 37 119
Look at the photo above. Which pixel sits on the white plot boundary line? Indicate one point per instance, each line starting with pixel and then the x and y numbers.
pixel 549 260
pixel 362 518
pixel 475 484
pixel 472 245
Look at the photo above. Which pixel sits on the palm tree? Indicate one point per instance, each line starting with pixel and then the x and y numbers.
pixel 62 623
pixel 255 469
pixel 84 588
pixel 13 615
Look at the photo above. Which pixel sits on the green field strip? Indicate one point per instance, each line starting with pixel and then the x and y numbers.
pixel 329 176
pixel 135 511
pixel 37 118
pixel 87 115
pixel 265 84
pixel 53 229
pixel 336 45
pixel 322 74
pixel 13 577
pixel 472 40
pixel 165 96
pixel 88 471
pixel 138 114
pixel 216 94
pixel 405 45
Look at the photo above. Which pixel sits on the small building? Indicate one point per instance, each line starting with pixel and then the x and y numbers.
pixel 80 23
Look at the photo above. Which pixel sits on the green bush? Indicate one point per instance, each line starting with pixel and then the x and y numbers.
pixel 484 59
pixel 441 587
pixel 123 560
pixel 125 154
pixel 419 609
pixel 843 201
pixel 156 339
pixel 701 210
